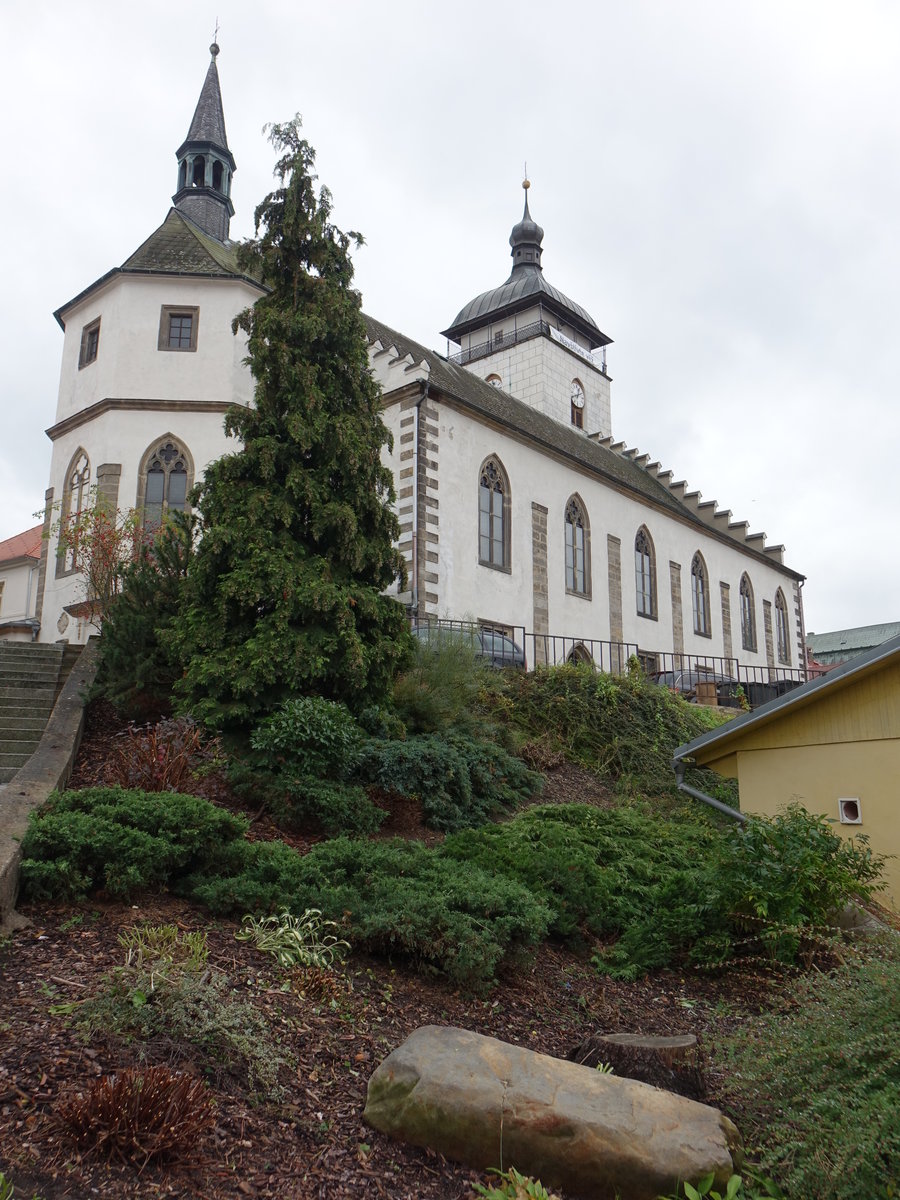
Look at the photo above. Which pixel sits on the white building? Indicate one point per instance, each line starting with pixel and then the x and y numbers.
pixel 20 558
pixel 517 508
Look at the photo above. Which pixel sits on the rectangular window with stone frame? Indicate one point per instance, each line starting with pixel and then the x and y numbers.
pixel 178 327
pixel 90 344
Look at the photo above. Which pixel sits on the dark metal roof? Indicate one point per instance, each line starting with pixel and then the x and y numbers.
pixel 500 407
pixel 525 287
pixel 208 122
pixel 805 694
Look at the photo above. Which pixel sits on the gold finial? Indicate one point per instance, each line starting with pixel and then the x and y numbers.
pixel 526 182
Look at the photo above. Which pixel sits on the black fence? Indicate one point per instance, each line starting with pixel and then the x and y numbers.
pixel 706 678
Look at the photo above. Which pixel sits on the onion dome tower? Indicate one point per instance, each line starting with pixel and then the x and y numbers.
pixel 529 338
pixel 205 164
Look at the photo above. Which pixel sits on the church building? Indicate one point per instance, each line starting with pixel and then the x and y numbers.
pixel 518 508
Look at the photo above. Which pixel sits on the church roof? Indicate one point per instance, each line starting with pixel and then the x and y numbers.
pixel 523 291
pixel 181 247
pixel 208 122
pixel 22 545
pixel 525 288
pixel 499 407
pixel 177 247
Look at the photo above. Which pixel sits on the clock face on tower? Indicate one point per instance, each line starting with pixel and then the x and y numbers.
pixel 577 395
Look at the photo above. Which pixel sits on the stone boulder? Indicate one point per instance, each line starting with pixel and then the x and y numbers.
pixel 485 1103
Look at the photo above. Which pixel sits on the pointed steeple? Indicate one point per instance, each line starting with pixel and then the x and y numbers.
pixel 205 164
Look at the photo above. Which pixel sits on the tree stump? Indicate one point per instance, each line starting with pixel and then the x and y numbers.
pixel 672 1063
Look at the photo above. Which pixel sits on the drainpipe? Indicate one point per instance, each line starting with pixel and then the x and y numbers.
pixel 414 602
pixel 679 766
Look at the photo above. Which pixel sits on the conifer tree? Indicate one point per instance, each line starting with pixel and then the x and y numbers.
pixel 285 591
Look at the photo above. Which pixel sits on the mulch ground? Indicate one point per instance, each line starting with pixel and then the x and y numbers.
pixel 311 1143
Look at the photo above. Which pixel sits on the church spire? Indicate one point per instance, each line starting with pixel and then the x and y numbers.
pixel 205 164
pixel 526 239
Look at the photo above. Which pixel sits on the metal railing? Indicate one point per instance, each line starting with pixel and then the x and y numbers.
pixel 708 678
pixel 512 338
pixel 554 650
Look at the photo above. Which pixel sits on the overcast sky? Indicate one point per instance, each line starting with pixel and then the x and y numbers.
pixel 719 186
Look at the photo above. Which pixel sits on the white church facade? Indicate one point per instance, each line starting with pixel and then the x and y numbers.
pixel 517 508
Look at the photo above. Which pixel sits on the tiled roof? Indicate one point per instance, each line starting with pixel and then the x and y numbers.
pixel 22 545
pixel 180 247
pixel 499 406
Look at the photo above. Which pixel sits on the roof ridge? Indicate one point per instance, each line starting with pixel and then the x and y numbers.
pixel 655 484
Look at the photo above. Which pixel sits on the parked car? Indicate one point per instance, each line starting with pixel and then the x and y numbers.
pixel 495 648
pixel 685 684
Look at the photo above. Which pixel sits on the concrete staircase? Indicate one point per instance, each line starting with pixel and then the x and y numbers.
pixel 31 677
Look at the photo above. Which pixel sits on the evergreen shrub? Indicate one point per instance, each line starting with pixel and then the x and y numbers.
pixel 138 660
pixel 123 841
pixel 673 890
pixel 309 736
pixel 391 898
pixel 439 690
pixel 332 808
pixel 461 781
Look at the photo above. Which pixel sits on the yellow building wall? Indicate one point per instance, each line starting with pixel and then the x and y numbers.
pixel 817 776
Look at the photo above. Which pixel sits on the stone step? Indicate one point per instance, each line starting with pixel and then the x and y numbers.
pixel 30 650
pixel 29 679
pixel 16 740
pixel 6 774
pixel 15 758
pixel 17 694
pixel 22 720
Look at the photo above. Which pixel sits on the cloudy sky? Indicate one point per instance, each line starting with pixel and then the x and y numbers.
pixel 719 185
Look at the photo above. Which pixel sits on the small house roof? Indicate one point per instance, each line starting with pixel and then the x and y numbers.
pixel 808 693
pixel 22 545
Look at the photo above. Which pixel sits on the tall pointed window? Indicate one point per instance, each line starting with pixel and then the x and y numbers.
pixel 493 516
pixel 645 574
pixel 76 497
pixel 578 541
pixel 782 639
pixel 165 480
pixel 577 404
pixel 748 616
pixel 700 596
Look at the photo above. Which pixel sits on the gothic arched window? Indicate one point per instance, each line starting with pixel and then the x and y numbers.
pixel 700 596
pixel 782 639
pixel 578 548
pixel 493 515
pixel 748 616
pixel 76 496
pixel 166 476
pixel 645 573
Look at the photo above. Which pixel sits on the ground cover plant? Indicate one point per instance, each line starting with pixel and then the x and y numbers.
pixel 679 889
pixel 682 889
pixel 818 1083
pixel 621 726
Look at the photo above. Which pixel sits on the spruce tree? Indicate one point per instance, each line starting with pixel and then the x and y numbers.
pixel 285 591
